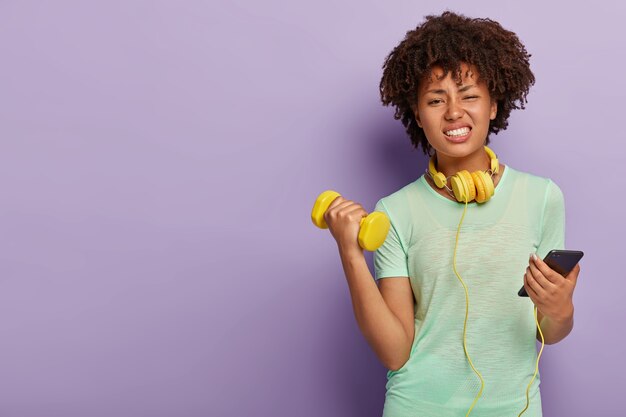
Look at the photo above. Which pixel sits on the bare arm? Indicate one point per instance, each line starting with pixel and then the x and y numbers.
pixel 555 330
pixel 552 295
pixel 385 316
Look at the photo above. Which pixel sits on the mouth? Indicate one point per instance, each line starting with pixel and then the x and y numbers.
pixel 458 135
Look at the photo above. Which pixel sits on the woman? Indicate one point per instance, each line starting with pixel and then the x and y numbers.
pixel 443 313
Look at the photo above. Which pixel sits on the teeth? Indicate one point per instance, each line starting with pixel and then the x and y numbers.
pixel 458 132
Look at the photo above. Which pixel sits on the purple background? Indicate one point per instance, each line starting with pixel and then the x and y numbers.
pixel 158 166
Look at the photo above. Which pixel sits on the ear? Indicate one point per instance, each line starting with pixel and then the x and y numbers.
pixel 493 110
pixel 416 114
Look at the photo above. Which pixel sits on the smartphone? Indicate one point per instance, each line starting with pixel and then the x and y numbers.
pixel 561 260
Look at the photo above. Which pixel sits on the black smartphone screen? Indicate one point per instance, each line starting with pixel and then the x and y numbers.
pixel 561 260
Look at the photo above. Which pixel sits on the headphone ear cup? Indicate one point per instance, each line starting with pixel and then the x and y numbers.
pixel 459 187
pixel 489 187
pixel 471 186
pixel 440 179
pixel 484 186
pixel 479 181
pixel 463 186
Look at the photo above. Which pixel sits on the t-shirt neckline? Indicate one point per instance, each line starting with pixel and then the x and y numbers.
pixel 498 188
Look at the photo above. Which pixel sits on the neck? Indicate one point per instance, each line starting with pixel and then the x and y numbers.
pixel 476 161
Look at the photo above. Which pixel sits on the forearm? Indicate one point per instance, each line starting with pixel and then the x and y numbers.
pixel 556 329
pixel 381 328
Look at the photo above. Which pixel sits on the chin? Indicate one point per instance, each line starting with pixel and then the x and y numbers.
pixel 459 150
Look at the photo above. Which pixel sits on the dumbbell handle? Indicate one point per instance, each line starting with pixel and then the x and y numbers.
pixel 373 228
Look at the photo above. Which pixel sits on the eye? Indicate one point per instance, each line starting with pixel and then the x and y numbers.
pixel 435 101
pixel 471 97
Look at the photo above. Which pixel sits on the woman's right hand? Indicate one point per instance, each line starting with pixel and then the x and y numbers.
pixel 343 218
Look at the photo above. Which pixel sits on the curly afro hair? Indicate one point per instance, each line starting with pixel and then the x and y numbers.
pixel 448 41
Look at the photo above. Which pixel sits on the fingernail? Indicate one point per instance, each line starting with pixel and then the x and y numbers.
pixel 533 256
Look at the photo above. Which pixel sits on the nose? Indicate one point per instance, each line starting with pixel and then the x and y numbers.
pixel 454 110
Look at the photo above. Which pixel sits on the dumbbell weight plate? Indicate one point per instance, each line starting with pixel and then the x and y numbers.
pixel 374 229
pixel 321 205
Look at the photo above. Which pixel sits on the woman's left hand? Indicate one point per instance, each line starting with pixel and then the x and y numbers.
pixel 550 291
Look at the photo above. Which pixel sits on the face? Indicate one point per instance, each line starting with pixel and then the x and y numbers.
pixel 455 118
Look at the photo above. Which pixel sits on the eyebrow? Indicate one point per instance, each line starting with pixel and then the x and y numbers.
pixel 462 89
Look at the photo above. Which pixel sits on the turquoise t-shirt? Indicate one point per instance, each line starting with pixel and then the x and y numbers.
pixel 526 214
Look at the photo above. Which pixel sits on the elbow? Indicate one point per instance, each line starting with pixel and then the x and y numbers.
pixel 396 366
pixel 399 361
pixel 552 341
pixel 547 340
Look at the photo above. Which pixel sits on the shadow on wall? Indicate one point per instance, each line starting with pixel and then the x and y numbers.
pixel 390 151
pixel 357 379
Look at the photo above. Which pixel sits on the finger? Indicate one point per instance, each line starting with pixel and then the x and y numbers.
pixel 531 275
pixel 533 284
pixel 349 210
pixel 531 293
pixel 541 279
pixel 357 210
pixel 352 213
pixel 339 206
pixel 335 202
pixel 335 207
pixel 548 273
pixel 355 213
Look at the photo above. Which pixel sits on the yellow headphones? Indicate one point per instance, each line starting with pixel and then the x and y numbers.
pixel 467 187
pixel 475 186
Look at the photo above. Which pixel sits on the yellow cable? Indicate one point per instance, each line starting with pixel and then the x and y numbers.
pixel 482 382
pixel 536 365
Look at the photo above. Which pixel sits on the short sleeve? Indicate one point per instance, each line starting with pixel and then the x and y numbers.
pixel 553 221
pixel 390 259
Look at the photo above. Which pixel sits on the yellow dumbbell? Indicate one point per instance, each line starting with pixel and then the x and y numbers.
pixel 374 227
